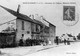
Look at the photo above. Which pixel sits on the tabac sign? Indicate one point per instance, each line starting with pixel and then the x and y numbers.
pixel 69 15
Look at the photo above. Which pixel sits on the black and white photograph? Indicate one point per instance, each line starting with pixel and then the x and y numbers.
pixel 39 28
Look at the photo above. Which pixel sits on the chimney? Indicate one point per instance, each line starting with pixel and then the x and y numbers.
pixel 18 9
pixel 41 19
pixel 31 16
pixel 36 16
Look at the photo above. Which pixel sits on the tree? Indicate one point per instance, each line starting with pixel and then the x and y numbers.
pixel 78 36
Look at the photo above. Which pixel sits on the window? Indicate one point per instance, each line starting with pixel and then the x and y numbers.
pixel 22 35
pixel 28 32
pixel 37 28
pixel 22 25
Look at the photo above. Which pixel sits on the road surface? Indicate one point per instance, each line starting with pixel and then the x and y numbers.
pixel 66 50
pixel 51 50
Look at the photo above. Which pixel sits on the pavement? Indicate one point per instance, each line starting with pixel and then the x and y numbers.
pixel 22 51
pixel 64 50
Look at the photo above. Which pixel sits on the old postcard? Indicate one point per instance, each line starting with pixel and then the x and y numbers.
pixel 39 27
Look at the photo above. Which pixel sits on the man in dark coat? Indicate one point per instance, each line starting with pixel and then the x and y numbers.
pixel 57 42
pixel 65 41
pixel 68 42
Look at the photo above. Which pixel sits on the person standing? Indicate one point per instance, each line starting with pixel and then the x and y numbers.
pixel 68 42
pixel 21 43
pixel 57 40
pixel 65 41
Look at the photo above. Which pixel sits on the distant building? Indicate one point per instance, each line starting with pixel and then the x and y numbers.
pixel 31 28
pixel 66 36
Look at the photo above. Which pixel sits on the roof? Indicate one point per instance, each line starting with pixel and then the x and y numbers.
pixel 22 16
pixel 69 35
pixel 39 22
pixel 49 22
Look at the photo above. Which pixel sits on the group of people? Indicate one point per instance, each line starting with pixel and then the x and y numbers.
pixel 65 41
pixel 30 42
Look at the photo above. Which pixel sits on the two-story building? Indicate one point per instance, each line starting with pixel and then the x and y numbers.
pixel 30 28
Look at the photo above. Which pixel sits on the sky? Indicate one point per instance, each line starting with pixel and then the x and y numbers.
pixel 53 12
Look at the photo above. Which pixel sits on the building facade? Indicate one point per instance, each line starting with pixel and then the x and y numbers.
pixel 23 29
pixel 28 28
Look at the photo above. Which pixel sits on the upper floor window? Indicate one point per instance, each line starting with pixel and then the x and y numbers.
pixel 28 32
pixel 22 25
